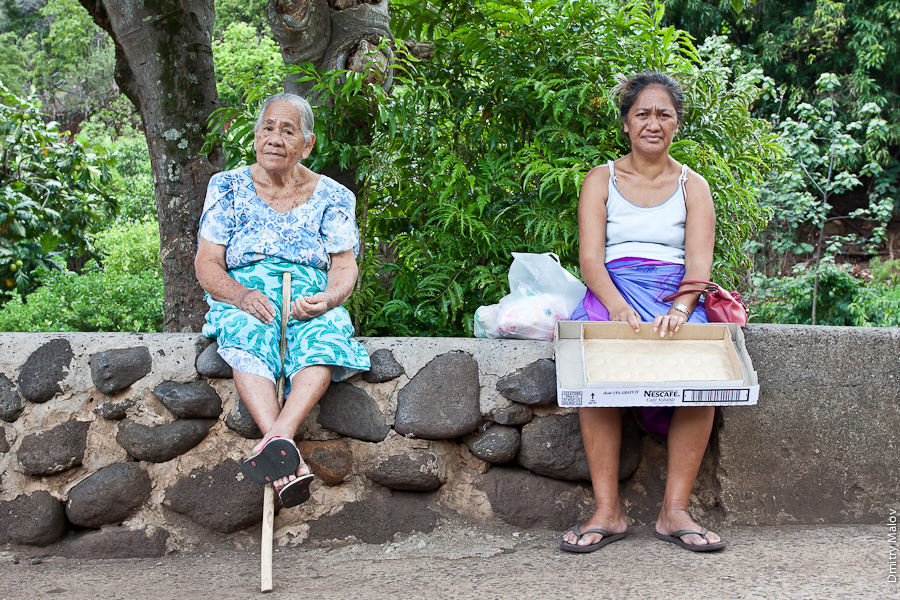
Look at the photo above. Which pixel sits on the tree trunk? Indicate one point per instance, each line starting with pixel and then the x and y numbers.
pixel 164 65
pixel 331 34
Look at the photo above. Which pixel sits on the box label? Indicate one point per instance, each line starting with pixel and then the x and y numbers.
pixel 661 397
pixel 571 397
pixel 657 397
pixel 717 397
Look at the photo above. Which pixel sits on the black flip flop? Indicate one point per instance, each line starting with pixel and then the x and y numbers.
pixel 296 492
pixel 675 538
pixel 278 458
pixel 608 538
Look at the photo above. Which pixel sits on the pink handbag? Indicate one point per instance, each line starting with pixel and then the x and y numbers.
pixel 722 306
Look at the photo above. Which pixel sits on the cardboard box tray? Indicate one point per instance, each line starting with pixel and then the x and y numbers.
pixel 608 364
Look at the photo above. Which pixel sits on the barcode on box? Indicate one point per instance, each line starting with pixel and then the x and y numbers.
pixel 570 398
pixel 716 396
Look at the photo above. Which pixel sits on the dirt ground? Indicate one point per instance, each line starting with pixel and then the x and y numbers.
pixel 470 563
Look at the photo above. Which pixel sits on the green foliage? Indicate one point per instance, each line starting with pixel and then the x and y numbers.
pixel 484 148
pixel 13 64
pixel 829 158
pixel 877 306
pixel 788 299
pixel 842 298
pixel 131 182
pixel 125 293
pixel 49 194
pixel 73 62
pixel 244 58
pixel 19 17
pixel 251 12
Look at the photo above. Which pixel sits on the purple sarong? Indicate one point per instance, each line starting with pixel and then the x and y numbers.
pixel 643 283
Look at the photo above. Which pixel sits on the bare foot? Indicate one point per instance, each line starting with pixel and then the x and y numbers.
pixel 676 519
pixel 302 470
pixel 272 434
pixel 613 521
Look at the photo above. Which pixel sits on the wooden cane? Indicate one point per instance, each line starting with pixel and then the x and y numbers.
pixel 268 524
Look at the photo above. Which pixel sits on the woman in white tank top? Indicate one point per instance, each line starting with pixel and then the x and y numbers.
pixel 645 223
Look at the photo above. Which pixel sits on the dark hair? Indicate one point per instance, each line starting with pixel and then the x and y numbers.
pixel 631 89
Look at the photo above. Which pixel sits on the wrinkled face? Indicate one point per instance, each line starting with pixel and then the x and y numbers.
pixel 279 141
pixel 652 121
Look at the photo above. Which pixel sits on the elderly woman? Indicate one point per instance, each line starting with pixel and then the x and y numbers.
pixel 645 223
pixel 259 222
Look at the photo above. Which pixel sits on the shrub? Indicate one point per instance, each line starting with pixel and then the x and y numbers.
pixel 123 293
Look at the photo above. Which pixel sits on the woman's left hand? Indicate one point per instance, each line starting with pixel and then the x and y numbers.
pixel 669 323
pixel 310 307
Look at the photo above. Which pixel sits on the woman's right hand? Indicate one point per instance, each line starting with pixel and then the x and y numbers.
pixel 627 314
pixel 255 303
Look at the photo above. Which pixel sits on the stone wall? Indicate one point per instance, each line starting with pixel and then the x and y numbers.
pixel 129 444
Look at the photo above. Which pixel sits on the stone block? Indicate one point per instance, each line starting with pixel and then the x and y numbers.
pixel 54 450
pixel 115 370
pixel 376 520
pixel 210 364
pixel 817 447
pixel 418 473
pixel 523 499
pixel 351 411
pixel 535 384
pixel 442 401
pixel 241 422
pixel 163 442
pixel 115 543
pixel 109 495
pixel 384 367
pixel 195 400
pixel 516 414
pixel 44 370
pixel 499 444
pixel 35 520
pixel 4 445
pixel 220 498
pixel 552 446
pixel 331 461
pixel 114 410
pixel 11 404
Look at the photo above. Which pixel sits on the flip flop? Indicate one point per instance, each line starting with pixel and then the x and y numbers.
pixel 296 492
pixel 278 458
pixel 675 538
pixel 608 538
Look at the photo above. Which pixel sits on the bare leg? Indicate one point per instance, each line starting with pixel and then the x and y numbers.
pixel 688 437
pixel 601 430
pixel 258 394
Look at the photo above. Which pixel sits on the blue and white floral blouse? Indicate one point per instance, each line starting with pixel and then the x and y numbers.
pixel 235 217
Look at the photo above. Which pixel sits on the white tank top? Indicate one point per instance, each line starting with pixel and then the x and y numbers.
pixel 651 232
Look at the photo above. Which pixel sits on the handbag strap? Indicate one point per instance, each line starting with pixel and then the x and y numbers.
pixel 710 287
pixel 671 297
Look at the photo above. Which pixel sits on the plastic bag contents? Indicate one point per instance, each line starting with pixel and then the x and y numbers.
pixel 542 294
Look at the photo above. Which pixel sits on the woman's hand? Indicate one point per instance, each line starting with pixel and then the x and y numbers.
pixel 669 323
pixel 311 307
pixel 627 314
pixel 255 303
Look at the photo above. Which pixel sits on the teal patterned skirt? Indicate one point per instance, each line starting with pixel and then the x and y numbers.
pixel 251 346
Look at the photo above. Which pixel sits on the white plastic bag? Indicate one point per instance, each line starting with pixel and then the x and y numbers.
pixel 542 292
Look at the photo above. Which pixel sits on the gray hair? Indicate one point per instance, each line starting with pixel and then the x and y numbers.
pixel 307 123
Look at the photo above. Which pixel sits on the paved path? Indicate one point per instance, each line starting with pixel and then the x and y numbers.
pixel 468 563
